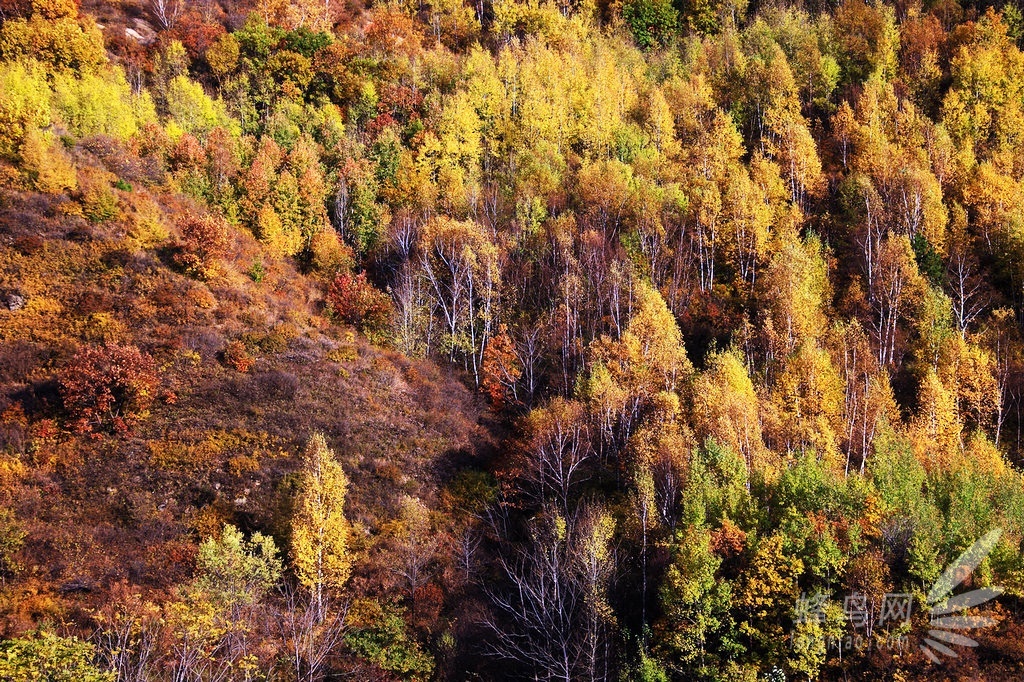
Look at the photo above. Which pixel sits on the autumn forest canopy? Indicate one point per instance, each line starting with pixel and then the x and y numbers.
pixel 499 339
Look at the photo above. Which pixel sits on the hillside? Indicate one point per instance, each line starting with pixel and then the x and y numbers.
pixel 220 443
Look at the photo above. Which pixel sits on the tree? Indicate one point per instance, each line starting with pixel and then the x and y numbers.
pixel 501 370
pixel 235 573
pixel 48 166
pixel 24 103
pixel 310 639
pixel 167 12
pixel 644 507
pixel 897 284
pixel 869 39
pixel 726 407
pixel 765 594
pixel 416 541
pixel 128 634
pixel 380 635
pixel 806 404
pixel 222 55
pixel 697 633
pixel 551 614
pixel 193 110
pixel 319 529
pixel 869 403
pixel 56 37
pixel 652 22
pixel 558 448
pixel 461 265
pixel 787 137
pixel 795 290
pixel 937 427
pixel 217 612
pixel 965 282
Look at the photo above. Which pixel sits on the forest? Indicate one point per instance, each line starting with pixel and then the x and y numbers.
pixel 604 340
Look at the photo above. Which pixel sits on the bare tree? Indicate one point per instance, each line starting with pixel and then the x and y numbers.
pixel 560 445
pixel 551 615
pixel 966 289
pixel 127 636
pixel 167 12
pixel 468 545
pixel 894 268
pixel 311 632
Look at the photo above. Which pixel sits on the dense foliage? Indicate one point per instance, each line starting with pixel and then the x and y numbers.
pixel 672 315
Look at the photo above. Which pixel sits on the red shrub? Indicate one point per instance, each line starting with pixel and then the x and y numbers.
pixel 236 356
pixel 108 388
pixel 352 299
pixel 204 240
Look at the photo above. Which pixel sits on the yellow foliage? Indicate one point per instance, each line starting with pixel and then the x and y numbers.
pixel 982 456
pixel 796 289
pixel 328 254
pixel 652 352
pixel 147 223
pixel 935 431
pixel 726 407
pixel 24 103
pixel 222 55
pixel 99 203
pixel 47 164
pixel 100 104
pixel 805 410
pixel 61 43
pixel 195 111
pixel 319 529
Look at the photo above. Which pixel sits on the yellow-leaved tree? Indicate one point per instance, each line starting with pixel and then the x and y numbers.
pixel 726 407
pixel 319 529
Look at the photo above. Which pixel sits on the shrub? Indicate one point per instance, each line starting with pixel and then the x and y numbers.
pixel 352 299
pixel 237 356
pixel 46 656
pixel 47 164
pixel 257 272
pixel 108 388
pixel 147 223
pixel 12 538
pixel 204 241
pixel 99 203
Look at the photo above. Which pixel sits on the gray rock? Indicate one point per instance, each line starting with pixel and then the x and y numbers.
pixel 15 302
pixel 141 32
